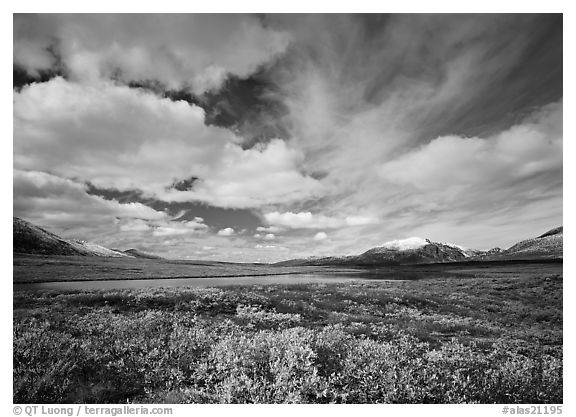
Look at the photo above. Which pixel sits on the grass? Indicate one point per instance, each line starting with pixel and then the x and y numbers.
pixel 40 268
pixel 485 338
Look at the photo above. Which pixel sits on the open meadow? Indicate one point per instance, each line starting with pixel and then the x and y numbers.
pixel 470 334
pixel 39 268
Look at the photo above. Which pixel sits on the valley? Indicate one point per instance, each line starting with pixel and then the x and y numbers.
pixel 137 328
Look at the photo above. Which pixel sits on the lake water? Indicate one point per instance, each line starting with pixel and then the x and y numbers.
pixel 188 282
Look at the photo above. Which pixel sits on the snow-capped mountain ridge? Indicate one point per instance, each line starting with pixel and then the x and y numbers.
pixel 416 250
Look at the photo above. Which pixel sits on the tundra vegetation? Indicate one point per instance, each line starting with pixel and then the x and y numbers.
pixel 492 338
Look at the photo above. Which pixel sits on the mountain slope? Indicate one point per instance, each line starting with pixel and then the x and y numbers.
pixel 28 238
pixel 427 252
pixel 139 254
pixel 97 250
pixel 31 239
pixel 546 246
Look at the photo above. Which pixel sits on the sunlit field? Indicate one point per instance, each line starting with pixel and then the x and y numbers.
pixel 482 338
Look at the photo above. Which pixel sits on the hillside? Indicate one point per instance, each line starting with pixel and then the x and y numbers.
pixel 546 246
pixel 31 239
pixel 97 250
pixel 135 253
pixel 28 238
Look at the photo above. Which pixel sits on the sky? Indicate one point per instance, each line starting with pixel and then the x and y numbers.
pixel 259 138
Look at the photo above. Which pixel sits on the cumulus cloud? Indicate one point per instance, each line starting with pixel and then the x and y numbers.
pixel 117 137
pixel 180 50
pixel 65 206
pixel 50 200
pixel 179 228
pixel 228 231
pixel 269 236
pixel 520 164
pixel 526 150
pixel 307 220
pixel 241 178
pixel 320 236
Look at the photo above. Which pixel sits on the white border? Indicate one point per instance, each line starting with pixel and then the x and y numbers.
pixel 307 6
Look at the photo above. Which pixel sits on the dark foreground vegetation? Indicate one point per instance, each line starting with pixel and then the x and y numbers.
pixel 484 339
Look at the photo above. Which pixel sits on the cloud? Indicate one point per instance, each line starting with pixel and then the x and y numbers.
pixel 270 229
pixel 226 232
pixel 180 228
pixel 267 236
pixel 32 41
pixel 405 244
pixel 533 147
pixel 320 236
pixel 307 220
pixel 134 225
pixel 522 158
pixel 258 246
pixel 442 126
pixel 179 50
pixel 117 137
pixel 65 206
pixel 242 178
pixel 410 119
pixel 50 200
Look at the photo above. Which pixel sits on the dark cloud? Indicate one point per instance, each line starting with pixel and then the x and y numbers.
pixel 184 185
pixel 251 107
pixel 21 77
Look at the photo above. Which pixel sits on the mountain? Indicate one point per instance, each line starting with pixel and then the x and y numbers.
pixel 476 253
pixel 31 239
pixel 139 254
pixel 546 246
pixel 424 252
pixel 398 252
pixel 415 250
pixel 28 238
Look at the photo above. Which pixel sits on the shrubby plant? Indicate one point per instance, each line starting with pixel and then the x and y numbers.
pixel 284 344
